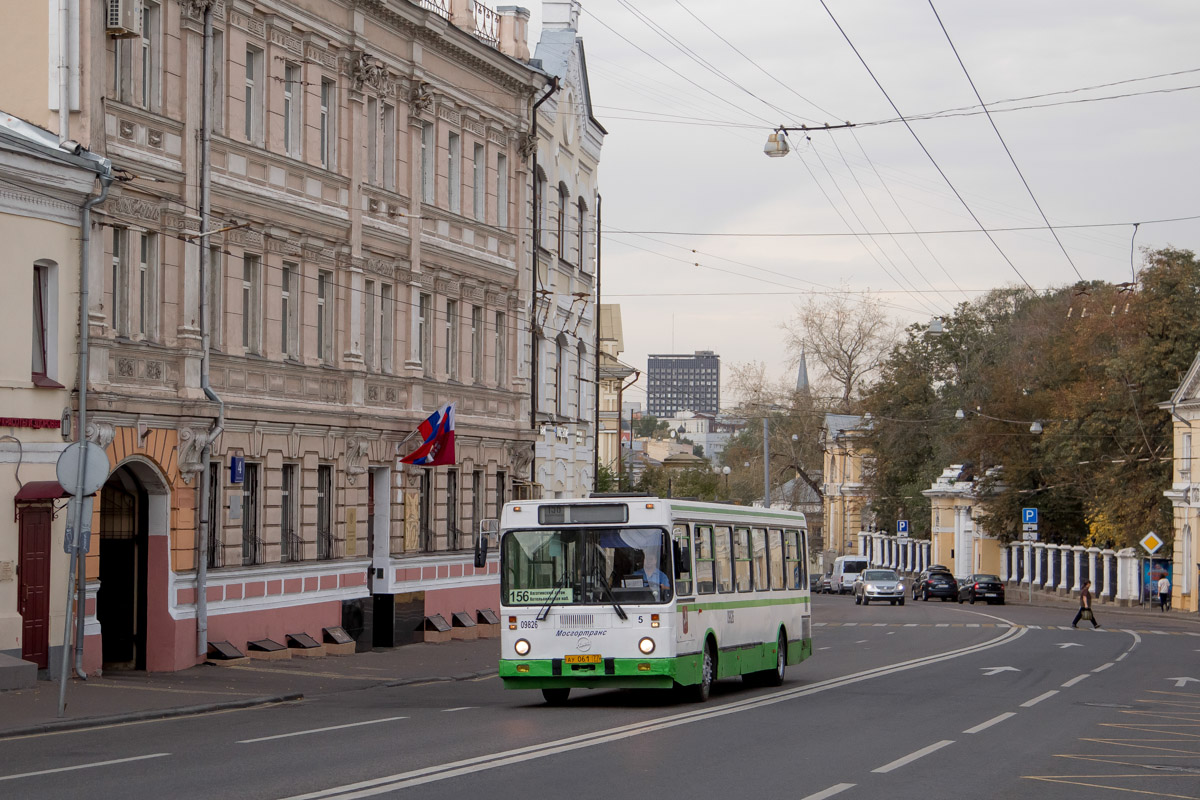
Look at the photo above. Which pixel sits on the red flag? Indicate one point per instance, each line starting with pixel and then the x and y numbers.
pixel 437 434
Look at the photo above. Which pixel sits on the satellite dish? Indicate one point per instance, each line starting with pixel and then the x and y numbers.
pixel 95 467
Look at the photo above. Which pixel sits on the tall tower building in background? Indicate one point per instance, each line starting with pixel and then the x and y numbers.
pixel 684 383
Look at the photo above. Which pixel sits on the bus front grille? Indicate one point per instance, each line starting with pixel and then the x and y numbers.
pixel 576 621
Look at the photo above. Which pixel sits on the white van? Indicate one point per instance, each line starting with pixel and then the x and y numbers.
pixel 846 570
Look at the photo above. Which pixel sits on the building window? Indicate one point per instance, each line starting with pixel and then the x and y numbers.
pixel 328 122
pixel 217 111
pixel 324 328
pixel 424 331
pixel 501 349
pixel 580 383
pixel 427 163
pixel 454 173
pixel 583 260
pixel 289 537
pixel 387 329
pixel 502 191
pixel 148 286
pixel 562 221
pixel 216 530
pixel 293 101
pixel 387 123
pixel 542 202
pixel 216 296
pixel 479 184
pixel 151 65
pixel 501 491
pixel 45 325
pixel 477 344
pixel 369 319
pixel 452 532
pixel 254 95
pixel 477 500
pixel 119 311
pixel 452 339
pixel 560 378
pixel 251 535
pixel 325 548
pixel 1185 465
pixel 251 304
pixel 372 140
pixel 289 295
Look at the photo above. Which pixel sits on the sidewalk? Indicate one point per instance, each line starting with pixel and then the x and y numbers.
pixel 132 696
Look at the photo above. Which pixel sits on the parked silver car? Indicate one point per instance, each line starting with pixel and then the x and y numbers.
pixel 878 584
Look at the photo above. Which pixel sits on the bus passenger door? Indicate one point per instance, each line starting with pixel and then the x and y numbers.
pixel 685 619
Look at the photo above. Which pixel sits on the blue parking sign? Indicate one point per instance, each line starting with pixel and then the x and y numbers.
pixel 901 526
pixel 1029 516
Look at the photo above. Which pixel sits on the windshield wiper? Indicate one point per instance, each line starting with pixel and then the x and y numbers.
pixel 612 598
pixel 558 587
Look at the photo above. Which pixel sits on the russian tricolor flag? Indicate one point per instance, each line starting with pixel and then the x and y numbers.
pixel 437 434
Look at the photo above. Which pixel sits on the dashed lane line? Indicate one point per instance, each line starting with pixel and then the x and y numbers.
pixel 983 726
pixel 1039 698
pixel 82 766
pixel 1076 679
pixel 830 792
pixel 320 730
pixel 911 757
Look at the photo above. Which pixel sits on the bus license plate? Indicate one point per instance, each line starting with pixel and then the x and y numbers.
pixel 590 658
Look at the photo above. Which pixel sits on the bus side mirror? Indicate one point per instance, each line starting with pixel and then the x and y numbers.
pixel 481 551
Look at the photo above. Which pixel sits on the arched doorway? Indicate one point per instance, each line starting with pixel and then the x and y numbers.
pixel 124 549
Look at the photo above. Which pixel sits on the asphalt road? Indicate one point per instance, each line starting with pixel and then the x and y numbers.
pixel 930 700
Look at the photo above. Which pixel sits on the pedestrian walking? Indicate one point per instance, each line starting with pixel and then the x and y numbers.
pixel 1164 593
pixel 1085 606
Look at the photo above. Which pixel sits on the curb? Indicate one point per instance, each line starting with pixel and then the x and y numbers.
pixel 466 676
pixel 83 723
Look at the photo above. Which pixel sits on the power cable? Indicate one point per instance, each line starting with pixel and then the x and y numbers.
pixel 1011 158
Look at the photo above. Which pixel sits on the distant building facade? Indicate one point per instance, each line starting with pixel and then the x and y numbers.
pixel 678 383
pixel 845 493
pixel 614 376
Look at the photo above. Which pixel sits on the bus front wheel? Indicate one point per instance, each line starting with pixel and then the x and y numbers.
pixel 555 697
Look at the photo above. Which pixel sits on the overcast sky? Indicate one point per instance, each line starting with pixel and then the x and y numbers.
pixel 684 155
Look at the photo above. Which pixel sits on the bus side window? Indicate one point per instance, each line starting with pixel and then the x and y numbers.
pixel 758 558
pixel 721 537
pixel 775 543
pixel 705 563
pixel 741 559
pixel 796 568
pixel 682 546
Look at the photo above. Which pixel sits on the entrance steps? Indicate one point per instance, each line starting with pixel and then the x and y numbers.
pixel 16 673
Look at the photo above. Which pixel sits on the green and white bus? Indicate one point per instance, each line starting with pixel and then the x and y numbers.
pixel 642 592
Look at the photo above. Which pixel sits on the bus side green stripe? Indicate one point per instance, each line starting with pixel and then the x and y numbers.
pixel 794 517
pixel 774 601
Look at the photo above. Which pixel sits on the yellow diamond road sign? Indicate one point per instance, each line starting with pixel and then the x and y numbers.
pixel 1151 542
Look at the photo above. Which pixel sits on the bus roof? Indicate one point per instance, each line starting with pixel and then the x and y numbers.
pixel 655 510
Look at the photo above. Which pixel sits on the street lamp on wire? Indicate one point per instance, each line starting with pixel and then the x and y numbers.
pixel 777 143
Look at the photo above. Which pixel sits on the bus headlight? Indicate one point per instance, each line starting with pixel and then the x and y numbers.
pixel 522 647
pixel 646 645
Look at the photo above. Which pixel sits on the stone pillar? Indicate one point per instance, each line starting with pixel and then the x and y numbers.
pixel 1097 587
pixel 1035 566
pixel 1027 572
pixel 1107 555
pixel 1064 553
pixel 862 543
pixel 1005 558
pixel 1127 583
pixel 1077 554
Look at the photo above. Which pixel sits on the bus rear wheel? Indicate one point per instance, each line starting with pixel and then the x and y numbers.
pixel 699 692
pixel 555 697
pixel 775 677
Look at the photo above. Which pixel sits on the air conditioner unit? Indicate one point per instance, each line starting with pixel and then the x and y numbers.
pixel 124 19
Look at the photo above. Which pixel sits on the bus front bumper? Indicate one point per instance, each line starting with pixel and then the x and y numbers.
pixel 616 673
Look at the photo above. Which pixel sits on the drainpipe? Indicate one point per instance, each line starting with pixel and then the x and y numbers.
pixel 202 533
pixel 85 222
pixel 596 317
pixel 533 300
pixel 64 70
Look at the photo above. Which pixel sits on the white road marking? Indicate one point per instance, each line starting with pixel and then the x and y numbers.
pixel 830 792
pixel 1122 656
pixel 1075 680
pixel 320 730
pixel 911 757
pixel 438 772
pixel 1103 667
pixel 942 625
pixel 823 648
pixel 460 708
pixel 1039 698
pixel 997 670
pixel 862 641
pixel 1065 645
pixel 983 726
pixel 82 766
pixel 1181 682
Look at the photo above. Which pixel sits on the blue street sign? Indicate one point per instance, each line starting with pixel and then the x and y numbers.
pixel 901 526
pixel 237 469
pixel 1029 516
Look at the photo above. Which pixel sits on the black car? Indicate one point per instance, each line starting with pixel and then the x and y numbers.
pixel 981 587
pixel 935 582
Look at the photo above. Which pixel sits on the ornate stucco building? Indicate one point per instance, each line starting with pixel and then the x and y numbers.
pixel 1184 494
pixel 367 261
pixel 566 205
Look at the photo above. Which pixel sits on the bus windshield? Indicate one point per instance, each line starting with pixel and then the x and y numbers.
pixel 586 566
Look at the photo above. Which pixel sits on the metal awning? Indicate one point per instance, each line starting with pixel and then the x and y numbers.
pixel 34 491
